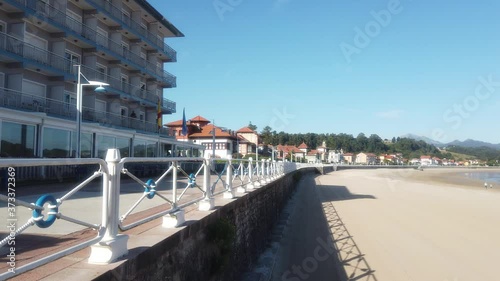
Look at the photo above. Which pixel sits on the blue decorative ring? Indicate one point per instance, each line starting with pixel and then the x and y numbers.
pixel 192 180
pixel 150 189
pixel 51 218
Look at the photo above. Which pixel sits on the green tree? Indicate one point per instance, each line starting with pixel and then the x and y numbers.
pixel 266 135
pixel 252 126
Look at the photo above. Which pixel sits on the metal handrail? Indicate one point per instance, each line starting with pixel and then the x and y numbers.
pixel 52 209
pixel 150 186
pixel 235 173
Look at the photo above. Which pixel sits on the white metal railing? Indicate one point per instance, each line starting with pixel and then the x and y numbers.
pixel 185 181
pixel 46 209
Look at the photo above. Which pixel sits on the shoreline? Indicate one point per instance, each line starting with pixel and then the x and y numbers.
pixel 446 176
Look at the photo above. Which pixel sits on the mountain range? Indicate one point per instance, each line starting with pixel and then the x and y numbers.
pixel 465 143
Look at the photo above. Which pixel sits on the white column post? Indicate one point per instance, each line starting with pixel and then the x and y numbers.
pixel 229 194
pixel 256 183
pixel 175 218
pixel 113 245
pixel 242 188
pixel 250 184
pixel 79 107
pixel 208 202
pixel 268 170
pixel 264 172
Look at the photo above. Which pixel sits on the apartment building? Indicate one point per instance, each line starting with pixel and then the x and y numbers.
pixel 119 43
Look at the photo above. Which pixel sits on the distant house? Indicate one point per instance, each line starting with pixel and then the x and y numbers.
pixel 193 125
pixel 426 160
pixel 290 152
pixel 335 156
pixel 437 161
pixel 225 141
pixel 349 158
pixel 313 156
pixel 415 161
pixel 303 147
pixel 366 158
pixel 247 140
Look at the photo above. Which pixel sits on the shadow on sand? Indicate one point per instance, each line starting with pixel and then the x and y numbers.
pixel 352 263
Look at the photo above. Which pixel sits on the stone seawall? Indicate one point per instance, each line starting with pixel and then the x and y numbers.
pixel 220 246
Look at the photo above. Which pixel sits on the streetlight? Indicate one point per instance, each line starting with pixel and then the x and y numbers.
pixel 213 139
pixel 79 90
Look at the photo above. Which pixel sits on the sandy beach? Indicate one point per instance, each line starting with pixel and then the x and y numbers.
pixel 427 225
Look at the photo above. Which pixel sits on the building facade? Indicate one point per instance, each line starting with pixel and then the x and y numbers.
pixel 120 43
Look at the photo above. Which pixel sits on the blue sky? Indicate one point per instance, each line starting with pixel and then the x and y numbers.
pixel 381 67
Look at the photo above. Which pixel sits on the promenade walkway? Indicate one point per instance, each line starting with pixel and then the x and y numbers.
pixel 86 205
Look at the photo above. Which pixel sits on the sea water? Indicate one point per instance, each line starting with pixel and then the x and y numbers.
pixel 489 177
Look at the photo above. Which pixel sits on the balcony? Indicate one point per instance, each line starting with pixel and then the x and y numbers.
pixel 64 22
pixel 132 25
pixel 136 93
pixel 60 66
pixel 27 102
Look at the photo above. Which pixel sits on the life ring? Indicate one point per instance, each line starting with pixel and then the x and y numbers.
pixel 52 211
pixel 150 188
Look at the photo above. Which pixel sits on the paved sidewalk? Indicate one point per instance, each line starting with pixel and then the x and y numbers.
pixel 85 205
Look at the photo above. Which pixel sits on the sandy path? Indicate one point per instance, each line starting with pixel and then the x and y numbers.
pixel 413 230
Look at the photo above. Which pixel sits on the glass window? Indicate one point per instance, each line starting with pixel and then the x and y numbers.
pixel 86 145
pixel 166 150
pixel 151 149
pixel 139 148
pixel 123 144
pixel 103 144
pixel 56 143
pixel 72 60
pixel 18 140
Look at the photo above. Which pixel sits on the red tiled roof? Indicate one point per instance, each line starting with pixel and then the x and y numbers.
pixel 425 157
pixel 303 145
pixel 199 119
pixel 206 132
pixel 245 130
pixel 312 152
pixel 288 148
pixel 177 123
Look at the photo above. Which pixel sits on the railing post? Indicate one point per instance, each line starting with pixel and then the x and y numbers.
pixel 268 170
pixel 242 188
pixel 208 202
pixel 264 171
pixel 175 218
pixel 273 169
pixel 257 183
pixel 250 185
pixel 112 245
pixel 229 194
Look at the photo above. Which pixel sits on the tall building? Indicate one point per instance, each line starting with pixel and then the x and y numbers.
pixel 120 43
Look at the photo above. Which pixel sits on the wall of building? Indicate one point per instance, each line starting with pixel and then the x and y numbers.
pixel 221 246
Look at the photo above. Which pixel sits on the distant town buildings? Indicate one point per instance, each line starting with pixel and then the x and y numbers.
pixel 222 143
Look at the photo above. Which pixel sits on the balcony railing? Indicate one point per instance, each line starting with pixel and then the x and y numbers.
pixel 151 38
pixel 29 52
pixel 51 14
pixel 23 101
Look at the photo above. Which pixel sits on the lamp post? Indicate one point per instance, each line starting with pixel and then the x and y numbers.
pixel 213 140
pixel 79 90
